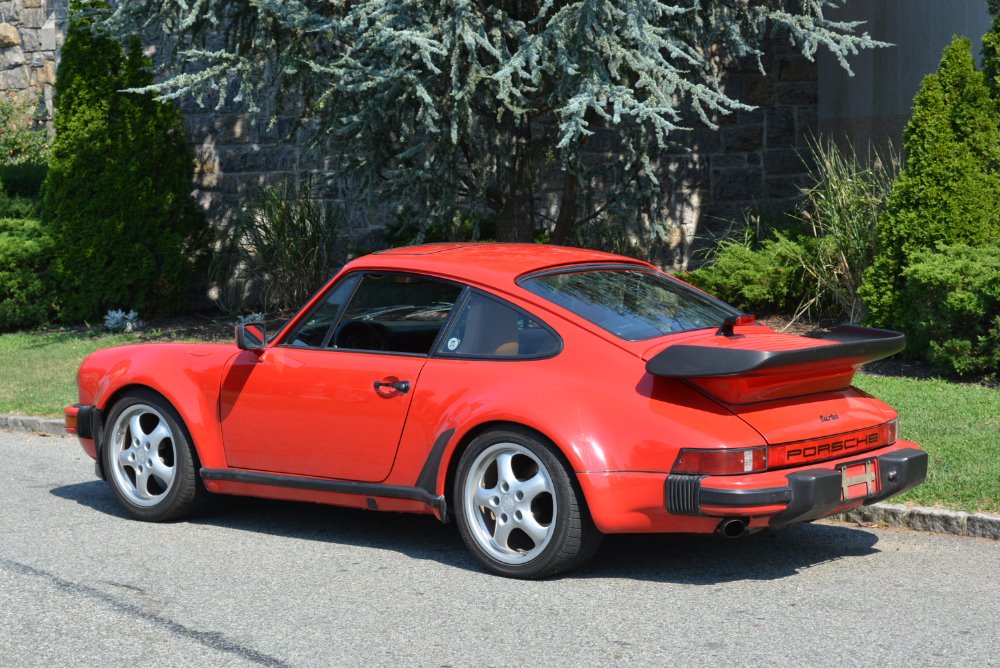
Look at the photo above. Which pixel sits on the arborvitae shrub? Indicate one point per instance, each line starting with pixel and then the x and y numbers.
pixel 953 312
pixel 949 188
pixel 117 196
pixel 25 257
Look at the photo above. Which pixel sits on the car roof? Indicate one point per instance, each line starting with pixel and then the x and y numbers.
pixel 487 263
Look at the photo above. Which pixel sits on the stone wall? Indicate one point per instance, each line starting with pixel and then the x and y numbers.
pixel 234 154
pixel 872 107
pixel 757 160
pixel 30 36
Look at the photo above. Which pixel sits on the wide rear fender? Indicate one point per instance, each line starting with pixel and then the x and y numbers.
pixel 611 416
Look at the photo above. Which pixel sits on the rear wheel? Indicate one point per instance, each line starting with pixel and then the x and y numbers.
pixel 149 460
pixel 518 508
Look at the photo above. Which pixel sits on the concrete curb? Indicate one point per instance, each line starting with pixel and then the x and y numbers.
pixel 937 520
pixel 33 424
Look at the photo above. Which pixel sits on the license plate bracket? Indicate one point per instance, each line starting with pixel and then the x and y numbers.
pixel 858 479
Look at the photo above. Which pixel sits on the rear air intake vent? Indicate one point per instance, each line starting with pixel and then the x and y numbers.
pixel 682 493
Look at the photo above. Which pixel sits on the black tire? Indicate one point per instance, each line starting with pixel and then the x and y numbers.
pixel 149 461
pixel 518 507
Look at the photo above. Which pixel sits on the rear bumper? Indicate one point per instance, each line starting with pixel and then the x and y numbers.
pixel 807 494
pixel 642 502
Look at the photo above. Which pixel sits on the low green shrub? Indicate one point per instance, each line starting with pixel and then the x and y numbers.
pixel 758 277
pixel 25 258
pixel 952 317
pixel 23 179
pixel 19 207
pixel 23 135
pixel 407 231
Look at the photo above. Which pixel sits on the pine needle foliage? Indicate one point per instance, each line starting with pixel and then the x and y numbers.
pixel 454 108
pixel 116 200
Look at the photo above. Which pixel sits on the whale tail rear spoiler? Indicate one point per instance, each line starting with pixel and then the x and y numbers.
pixel 739 375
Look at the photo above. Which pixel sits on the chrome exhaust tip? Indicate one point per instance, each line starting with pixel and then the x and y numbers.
pixel 732 528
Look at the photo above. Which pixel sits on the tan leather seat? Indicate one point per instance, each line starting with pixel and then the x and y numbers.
pixel 491 329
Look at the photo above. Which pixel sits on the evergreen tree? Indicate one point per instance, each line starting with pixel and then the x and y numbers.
pixel 991 50
pixel 949 188
pixel 117 196
pixel 461 107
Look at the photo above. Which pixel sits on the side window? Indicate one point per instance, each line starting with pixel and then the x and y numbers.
pixel 312 331
pixel 400 313
pixel 487 327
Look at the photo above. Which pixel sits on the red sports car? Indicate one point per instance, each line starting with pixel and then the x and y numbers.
pixel 539 396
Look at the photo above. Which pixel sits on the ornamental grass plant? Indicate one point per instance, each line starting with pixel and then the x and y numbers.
pixel 279 250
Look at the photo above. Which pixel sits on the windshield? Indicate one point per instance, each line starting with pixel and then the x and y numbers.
pixel 632 303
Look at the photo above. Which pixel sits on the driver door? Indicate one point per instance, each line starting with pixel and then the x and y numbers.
pixel 331 398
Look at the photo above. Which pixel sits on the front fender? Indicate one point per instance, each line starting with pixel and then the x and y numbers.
pixel 187 375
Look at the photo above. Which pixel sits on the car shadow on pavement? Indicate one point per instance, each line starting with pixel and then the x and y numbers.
pixel 93 494
pixel 669 558
pixel 711 559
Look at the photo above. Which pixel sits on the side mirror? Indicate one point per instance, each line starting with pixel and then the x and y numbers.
pixel 250 336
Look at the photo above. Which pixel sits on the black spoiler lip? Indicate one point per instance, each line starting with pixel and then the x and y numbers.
pixel 856 345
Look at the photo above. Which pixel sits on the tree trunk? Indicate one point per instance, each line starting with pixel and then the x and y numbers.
pixel 566 222
pixel 515 218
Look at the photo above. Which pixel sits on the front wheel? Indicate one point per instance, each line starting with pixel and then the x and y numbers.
pixel 149 460
pixel 518 508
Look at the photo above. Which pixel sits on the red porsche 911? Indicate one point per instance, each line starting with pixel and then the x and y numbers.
pixel 539 396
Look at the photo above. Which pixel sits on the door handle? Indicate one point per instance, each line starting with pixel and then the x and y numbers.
pixel 402 386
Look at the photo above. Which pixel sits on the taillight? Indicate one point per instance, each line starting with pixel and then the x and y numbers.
pixel 891 431
pixel 721 462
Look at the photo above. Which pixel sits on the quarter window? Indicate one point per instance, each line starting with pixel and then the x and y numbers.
pixel 487 327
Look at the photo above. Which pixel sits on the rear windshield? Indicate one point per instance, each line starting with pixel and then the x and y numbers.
pixel 632 303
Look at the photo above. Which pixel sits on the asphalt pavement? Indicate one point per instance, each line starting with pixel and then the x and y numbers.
pixel 254 582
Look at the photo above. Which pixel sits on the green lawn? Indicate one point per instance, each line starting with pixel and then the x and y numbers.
pixel 958 424
pixel 38 371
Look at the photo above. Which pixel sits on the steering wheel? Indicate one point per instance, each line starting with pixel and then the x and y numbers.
pixel 358 335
